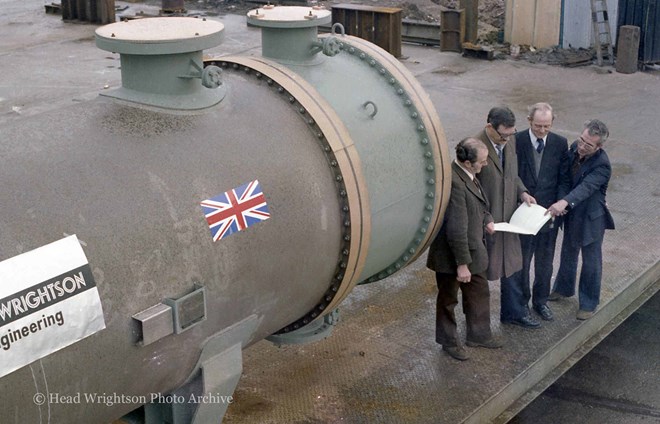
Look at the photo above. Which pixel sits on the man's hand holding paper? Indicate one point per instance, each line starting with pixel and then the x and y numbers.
pixel 527 219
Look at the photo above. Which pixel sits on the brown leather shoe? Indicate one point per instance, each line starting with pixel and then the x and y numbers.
pixel 456 352
pixel 584 315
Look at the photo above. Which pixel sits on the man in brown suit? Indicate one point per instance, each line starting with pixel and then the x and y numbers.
pixel 458 255
pixel 504 191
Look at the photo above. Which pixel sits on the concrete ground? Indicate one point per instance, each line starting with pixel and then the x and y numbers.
pixel 382 364
pixel 618 382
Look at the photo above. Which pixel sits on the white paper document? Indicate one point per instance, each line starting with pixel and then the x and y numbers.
pixel 525 220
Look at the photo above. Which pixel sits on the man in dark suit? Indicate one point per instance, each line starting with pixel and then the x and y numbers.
pixel 458 255
pixel 541 167
pixel 504 191
pixel 586 220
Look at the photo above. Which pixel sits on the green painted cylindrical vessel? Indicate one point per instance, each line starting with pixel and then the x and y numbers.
pixel 390 119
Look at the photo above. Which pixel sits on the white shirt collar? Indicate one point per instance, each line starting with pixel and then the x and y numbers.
pixel 495 145
pixel 491 141
pixel 465 170
pixel 534 138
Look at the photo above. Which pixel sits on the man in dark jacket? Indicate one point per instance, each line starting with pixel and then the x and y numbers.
pixel 586 220
pixel 542 168
pixel 458 255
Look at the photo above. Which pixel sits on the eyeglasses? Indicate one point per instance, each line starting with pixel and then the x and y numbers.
pixel 585 144
pixel 505 137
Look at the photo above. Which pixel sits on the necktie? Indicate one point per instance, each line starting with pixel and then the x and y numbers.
pixel 476 182
pixel 500 154
pixel 539 146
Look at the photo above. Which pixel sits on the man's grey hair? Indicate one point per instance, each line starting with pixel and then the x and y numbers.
pixel 539 107
pixel 597 128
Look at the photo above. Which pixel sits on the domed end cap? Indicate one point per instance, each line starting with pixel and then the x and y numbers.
pixel 288 17
pixel 158 36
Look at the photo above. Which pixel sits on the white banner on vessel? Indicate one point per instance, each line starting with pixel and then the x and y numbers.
pixel 48 300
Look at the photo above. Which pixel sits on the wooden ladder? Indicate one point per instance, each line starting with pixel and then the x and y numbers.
pixel 601 29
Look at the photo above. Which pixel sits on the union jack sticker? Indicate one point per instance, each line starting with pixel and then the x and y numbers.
pixel 235 210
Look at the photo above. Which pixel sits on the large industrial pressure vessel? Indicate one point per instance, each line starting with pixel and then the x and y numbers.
pixel 160 228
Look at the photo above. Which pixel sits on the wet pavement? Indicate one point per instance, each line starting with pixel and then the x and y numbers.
pixel 382 364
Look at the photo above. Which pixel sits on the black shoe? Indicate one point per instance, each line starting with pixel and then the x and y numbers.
pixel 456 352
pixel 488 344
pixel 527 321
pixel 545 312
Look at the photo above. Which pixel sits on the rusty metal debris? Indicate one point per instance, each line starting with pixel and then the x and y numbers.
pixel 570 57
pixel 478 51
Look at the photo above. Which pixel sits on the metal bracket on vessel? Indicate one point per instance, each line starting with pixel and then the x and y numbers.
pixel 188 310
pixel 314 331
pixel 204 398
pixel 171 316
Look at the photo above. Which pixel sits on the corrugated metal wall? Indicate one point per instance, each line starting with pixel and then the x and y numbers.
pixel 545 23
pixel 577 26
pixel 95 11
pixel 646 15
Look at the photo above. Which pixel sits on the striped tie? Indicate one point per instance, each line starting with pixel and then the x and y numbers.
pixel 539 146
pixel 500 154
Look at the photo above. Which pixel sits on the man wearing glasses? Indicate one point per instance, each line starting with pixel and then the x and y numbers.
pixel 542 168
pixel 587 218
pixel 504 190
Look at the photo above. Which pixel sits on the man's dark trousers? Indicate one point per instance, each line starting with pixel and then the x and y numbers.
pixel 515 290
pixel 590 275
pixel 542 248
pixel 476 306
